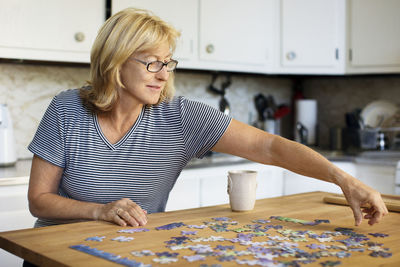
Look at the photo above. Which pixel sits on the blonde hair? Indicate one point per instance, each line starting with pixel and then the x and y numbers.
pixel 126 32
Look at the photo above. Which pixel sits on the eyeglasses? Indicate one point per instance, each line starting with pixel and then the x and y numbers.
pixel 156 66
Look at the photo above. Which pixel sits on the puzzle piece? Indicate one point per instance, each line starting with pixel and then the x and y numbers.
pixel 287 219
pixel 378 235
pixel 170 226
pixel 188 232
pixel 224 219
pixel 109 256
pixel 142 253
pixel 95 238
pixel 133 230
pixel 194 258
pixel 197 226
pixel 123 239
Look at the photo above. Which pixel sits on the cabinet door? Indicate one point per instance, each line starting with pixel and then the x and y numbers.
pixel 309 34
pixel 237 32
pixel 295 183
pixel 374 33
pixel 14 215
pixel 181 14
pixel 214 182
pixel 186 192
pixel 61 30
pixel 379 177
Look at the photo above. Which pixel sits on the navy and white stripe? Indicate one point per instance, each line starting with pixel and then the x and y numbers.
pixel 142 166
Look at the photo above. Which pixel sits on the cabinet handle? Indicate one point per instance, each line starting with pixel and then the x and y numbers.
pixel 210 48
pixel 291 55
pixel 79 36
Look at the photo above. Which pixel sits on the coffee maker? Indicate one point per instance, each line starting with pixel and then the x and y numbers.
pixel 7 141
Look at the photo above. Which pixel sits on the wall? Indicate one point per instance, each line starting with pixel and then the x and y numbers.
pixel 28 90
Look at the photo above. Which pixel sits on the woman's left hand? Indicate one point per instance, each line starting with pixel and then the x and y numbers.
pixel 364 199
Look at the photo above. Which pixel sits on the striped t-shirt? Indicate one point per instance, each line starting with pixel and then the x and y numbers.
pixel 142 166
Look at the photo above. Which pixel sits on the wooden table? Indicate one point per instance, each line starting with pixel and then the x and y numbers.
pixel 49 246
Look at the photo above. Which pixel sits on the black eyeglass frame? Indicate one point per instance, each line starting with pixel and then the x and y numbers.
pixel 147 64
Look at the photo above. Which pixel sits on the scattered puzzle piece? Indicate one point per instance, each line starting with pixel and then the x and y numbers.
pixel 170 226
pixel 133 230
pixel 109 256
pixel 194 258
pixel 123 239
pixel 95 238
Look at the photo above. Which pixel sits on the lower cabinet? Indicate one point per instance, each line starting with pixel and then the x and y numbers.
pixel 14 214
pixel 207 186
pixel 199 187
pixel 295 183
pixel 379 177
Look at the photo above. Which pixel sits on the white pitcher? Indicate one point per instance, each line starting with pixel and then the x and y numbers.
pixel 7 141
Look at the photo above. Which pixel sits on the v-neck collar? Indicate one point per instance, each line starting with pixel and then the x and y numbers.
pixel 124 138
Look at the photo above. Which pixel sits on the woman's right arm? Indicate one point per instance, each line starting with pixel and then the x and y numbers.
pixel 44 201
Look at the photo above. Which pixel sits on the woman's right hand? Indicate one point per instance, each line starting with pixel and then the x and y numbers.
pixel 122 212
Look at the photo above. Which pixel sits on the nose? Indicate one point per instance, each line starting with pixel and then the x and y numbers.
pixel 163 74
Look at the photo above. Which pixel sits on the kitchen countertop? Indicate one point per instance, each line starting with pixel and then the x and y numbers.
pixel 19 173
pixel 28 243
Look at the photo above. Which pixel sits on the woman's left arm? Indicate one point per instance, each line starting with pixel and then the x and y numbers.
pixel 256 145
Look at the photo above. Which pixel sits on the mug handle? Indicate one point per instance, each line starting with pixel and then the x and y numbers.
pixel 230 185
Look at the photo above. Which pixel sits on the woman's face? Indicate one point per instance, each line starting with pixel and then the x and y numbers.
pixel 142 86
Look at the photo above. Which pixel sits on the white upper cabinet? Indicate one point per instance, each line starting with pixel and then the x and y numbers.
pixel 237 35
pixel 374 36
pixel 310 36
pixel 62 30
pixel 339 36
pixel 183 15
pixel 227 35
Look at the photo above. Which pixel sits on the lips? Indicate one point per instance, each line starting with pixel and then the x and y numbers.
pixel 155 87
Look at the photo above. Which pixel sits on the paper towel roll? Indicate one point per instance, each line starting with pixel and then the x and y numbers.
pixel 306 114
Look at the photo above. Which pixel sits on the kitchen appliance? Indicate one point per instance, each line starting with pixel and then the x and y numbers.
pixel 7 141
pixel 306 121
pixel 223 103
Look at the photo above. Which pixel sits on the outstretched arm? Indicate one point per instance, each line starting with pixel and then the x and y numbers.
pixel 256 145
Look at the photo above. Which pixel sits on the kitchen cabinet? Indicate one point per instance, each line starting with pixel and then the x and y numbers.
pixel 183 15
pixel 14 215
pixel 339 37
pixel 294 183
pixel 373 36
pixel 223 35
pixel 62 30
pixel 199 187
pixel 237 35
pixel 310 36
pixel 380 177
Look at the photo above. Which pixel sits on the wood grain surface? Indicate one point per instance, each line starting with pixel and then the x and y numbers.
pixel 49 246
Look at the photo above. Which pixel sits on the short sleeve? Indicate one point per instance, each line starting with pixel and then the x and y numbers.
pixel 48 142
pixel 202 126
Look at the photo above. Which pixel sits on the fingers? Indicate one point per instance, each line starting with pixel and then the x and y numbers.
pixel 357 214
pixel 129 212
pixel 133 215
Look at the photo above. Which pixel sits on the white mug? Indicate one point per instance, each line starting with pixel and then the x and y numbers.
pixel 242 186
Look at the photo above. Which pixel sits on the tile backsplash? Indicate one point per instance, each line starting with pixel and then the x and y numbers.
pixel 338 95
pixel 28 89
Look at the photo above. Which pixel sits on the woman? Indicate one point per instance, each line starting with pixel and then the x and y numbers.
pixel 112 151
